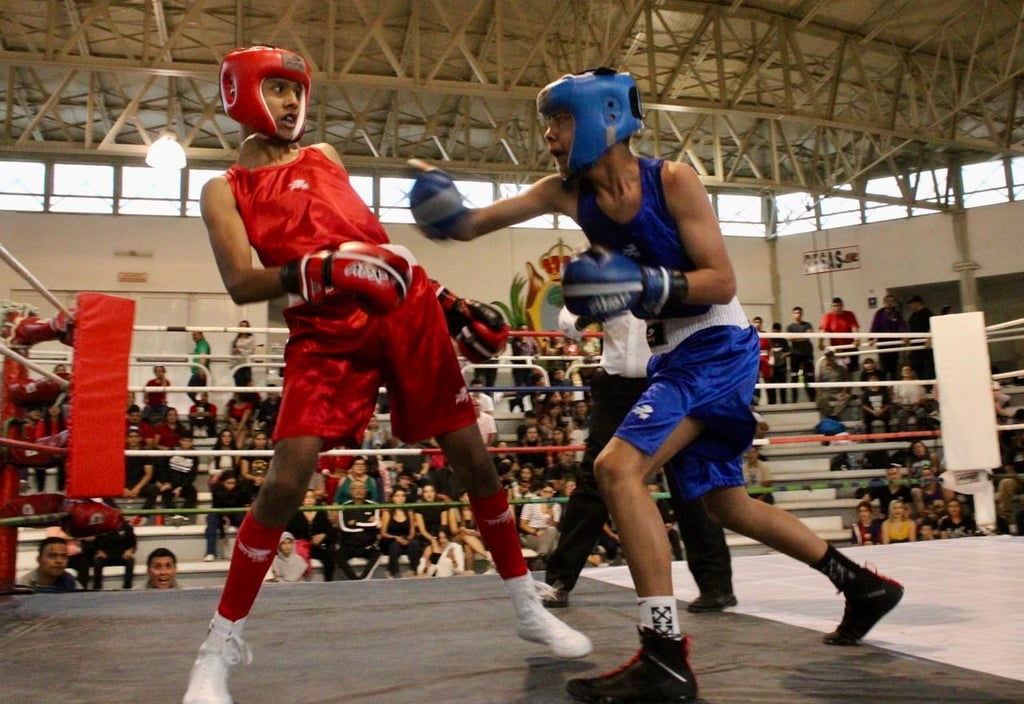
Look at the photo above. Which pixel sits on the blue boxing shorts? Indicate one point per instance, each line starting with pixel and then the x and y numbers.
pixel 709 376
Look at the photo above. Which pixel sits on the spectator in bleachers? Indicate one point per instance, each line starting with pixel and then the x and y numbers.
pixel 138 472
pixel 202 417
pixel 217 465
pixel 840 320
pixel 146 431
pixel 238 412
pixel 875 406
pixel 253 469
pixel 868 529
pixel 531 438
pixel 801 353
pixel 526 347
pixel 526 485
pixel 888 319
pixel 898 527
pixel 464 531
pixel 486 423
pixel 920 321
pixel 227 493
pixel 53 422
pixel 1012 453
pixel 50 574
pixel 156 401
pixel 764 361
pixel 176 475
pixel 919 458
pixel 162 569
pixel 315 535
pixel 115 548
pixel 913 405
pixel 265 418
pixel 447 483
pixel 242 347
pixel 376 437
pixel 893 489
pixel 539 523
pixel 169 430
pixel 288 565
pixel 406 481
pixel 529 420
pixel 398 534
pixel 358 473
pixel 360 530
pixel 868 366
pixel 957 523
pixel 833 402
pixel 506 464
pixel 757 475
pixel 430 519
pixel 780 367
pixel 927 529
pixel 200 360
pixel 443 558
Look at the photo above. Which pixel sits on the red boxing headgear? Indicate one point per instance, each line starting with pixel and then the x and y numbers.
pixel 242 73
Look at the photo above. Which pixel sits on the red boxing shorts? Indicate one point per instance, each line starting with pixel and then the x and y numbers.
pixel 338 356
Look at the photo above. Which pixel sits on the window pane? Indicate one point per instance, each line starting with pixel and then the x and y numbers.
pixel 984 184
pixel 149 206
pixel 394 200
pixel 363 185
pixel 544 222
pixel 880 213
pixel 742 229
pixel 1017 173
pixel 885 186
pixel 147 182
pixel 737 208
pixel 476 194
pixel 22 186
pixel 82 188
pixel 795 213
pixel 931 185
pixel 197 178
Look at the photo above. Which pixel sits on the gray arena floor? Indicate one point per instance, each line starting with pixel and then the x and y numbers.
pixel 435 641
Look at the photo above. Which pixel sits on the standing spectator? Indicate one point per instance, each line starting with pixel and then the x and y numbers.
pixel 919 322
pixel 801 352
pixel 242 347
pixel 162 569
pixel 176 477
pixel 840 320
pixel 526 349
pixel 780 366
pixel 486 423
pixel 360 530
pixel 200 362
pixel 115 548
pixel 888 318
pixel 156 401
pixel 764 361
pixel 50 574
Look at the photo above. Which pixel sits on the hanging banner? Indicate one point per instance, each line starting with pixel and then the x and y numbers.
pixel 822 261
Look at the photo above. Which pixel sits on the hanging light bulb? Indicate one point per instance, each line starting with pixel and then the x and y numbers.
pixel 166 153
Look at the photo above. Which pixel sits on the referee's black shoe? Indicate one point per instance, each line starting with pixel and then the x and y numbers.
pixel 659 672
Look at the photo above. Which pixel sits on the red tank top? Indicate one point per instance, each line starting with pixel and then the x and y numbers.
pixel 300 207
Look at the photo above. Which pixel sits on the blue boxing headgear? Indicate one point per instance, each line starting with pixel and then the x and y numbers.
pixel 605 107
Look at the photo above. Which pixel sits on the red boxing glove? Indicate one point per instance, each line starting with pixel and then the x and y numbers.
pixel 33 330
pixel 377 278
pixel 478 329
pixel 89 517
pixel 36 392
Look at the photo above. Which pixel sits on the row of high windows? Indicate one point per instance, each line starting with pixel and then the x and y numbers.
pixel 109 189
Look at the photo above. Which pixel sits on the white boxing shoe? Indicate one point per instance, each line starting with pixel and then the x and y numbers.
pixel 222 650
pixel 536 624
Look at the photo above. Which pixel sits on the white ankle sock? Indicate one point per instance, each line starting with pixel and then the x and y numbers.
pixel 659 614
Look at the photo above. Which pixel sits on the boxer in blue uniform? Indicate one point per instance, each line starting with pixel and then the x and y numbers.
pixel 659 253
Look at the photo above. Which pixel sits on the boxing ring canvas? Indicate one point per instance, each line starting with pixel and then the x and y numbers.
pixel 957 638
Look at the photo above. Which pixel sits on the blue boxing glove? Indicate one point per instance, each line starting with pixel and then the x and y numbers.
pixel 599 284
pixel 435 201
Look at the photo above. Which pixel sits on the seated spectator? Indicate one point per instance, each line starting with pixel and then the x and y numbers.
pixel 398 534
pixel 267 409
pixel 176 477
pixel 315 536
pixel 253 469
pixel 162 569
pixel 115 548
pixel 430 519
pixel 913 406
pixel 929 491
pixel 50 574
pixel 239 411
pixel 757 475
pixel 539 524
pixel 868 529
pixel 288 565
pixel 217 465
pixel 927 530
pixel 957 523
pixel 444 558
pixel 227 493
pixel 134 419
pixel 169 430
pixel 139 472
pixel 202 417
pixel 375 437
pixel 898 528
pixel 894 488
pixel 531 438
pixel 875 406
pixel 1011 486
pixel 465 533
pixel 358 473
pixel 360 529
pixel 833 402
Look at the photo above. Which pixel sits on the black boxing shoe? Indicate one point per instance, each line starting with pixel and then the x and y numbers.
pixel 659 672
pixel 706 603
pixel 555 598
pixel 870 597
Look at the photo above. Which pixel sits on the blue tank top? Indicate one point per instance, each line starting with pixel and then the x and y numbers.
pixel 649 238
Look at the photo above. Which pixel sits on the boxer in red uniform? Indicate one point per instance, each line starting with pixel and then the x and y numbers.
pixel 355 297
